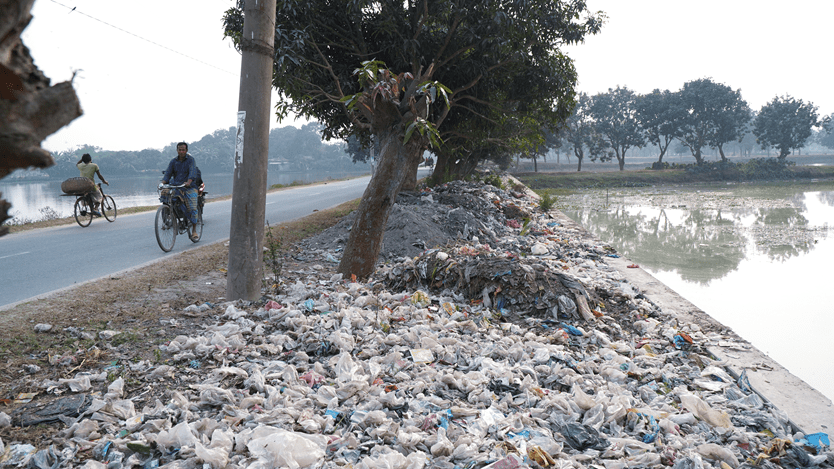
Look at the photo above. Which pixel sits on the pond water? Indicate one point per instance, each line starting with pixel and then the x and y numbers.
pixel 754 257
pixel 32 200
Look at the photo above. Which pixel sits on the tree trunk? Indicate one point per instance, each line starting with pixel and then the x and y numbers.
pixel 698 158
pixel 410 181
pixel 662 153
pixel 535 165
pixel 30 109
pixel 783 153
pixel 365 241
pixel 579 156
pixel 721 152
pixel 441 168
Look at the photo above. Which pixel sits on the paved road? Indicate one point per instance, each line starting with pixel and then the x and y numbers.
pixel 36 263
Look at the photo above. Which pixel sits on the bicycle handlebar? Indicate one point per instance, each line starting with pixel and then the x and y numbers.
pixel 168 186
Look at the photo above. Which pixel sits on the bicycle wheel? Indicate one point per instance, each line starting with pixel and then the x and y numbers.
pixel 83 212
pixel 165 226
pixel 199 225
pixel 108 208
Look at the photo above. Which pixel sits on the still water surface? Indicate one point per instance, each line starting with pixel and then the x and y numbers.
pixel 28 199
pixel 756 258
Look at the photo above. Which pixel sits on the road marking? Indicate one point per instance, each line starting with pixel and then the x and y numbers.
pixel 12 255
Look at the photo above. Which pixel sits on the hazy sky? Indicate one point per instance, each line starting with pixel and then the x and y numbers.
pixel 178 80
pixel 763 47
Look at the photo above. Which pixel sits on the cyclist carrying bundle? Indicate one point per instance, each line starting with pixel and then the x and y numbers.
pixel 183 170
pixel 89 170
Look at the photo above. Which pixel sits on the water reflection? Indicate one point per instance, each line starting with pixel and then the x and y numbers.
pixel 686 233
pixel 754 258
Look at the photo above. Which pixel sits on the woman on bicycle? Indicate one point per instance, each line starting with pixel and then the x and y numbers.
pixel 89 170
pixel 183 169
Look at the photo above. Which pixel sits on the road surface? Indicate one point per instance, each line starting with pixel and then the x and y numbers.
pixel 36 263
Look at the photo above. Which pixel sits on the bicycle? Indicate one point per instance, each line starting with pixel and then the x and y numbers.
pixel 84 205
pixel 172 216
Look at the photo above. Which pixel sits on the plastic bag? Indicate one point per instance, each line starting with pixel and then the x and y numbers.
pixel 719 453
pixel 703 411
pixel 217 453
pixel 581 437
pixel 286 449
pixel 176 437
pixel 567 308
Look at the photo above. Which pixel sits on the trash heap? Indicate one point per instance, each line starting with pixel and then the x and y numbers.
pixel 504 342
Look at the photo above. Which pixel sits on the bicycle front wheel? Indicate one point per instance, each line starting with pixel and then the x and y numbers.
pixel 108 208
pixel 165 226
pixel 83 212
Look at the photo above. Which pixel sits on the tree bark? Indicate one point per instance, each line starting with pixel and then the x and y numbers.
pixel 441 167
pixel 410 181
pixel 30 109
pixel 366 236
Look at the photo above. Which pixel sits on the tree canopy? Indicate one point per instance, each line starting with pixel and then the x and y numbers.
pixel 785 123
pixel 581 134
pixel 716 114
pixel 417 72
pixel 661 115
pixel 292 148
pixel 615 114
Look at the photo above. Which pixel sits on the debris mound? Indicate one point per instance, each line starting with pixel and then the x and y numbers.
pixel 506 343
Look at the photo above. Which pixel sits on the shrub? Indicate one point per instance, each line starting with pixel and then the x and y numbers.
pixel 272 256
pixel 546 202
pixel 493 180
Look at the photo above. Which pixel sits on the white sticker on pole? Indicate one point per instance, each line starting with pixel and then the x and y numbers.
pixel 241 118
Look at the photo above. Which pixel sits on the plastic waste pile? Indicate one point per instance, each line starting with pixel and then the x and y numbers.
pixel 504 347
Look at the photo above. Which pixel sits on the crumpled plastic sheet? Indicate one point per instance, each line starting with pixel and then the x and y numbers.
pixel 367 375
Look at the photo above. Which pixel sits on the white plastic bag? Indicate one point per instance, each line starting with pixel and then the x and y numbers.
pixel 286 449
pixel 217 453
pixel 703 411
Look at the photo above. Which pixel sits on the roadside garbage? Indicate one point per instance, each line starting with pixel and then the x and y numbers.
pixel 484 348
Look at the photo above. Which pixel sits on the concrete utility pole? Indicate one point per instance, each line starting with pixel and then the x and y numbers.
pixel 246 234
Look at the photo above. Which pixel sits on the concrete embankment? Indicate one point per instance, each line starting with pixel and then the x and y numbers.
pixel 806 407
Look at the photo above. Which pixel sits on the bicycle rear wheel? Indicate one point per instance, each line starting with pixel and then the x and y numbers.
pixel 165 226
pixel 199 225
pixel 108 208
pixel 83 212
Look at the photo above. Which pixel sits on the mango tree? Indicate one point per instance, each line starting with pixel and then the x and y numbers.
pixel 405 72
pixel 785 123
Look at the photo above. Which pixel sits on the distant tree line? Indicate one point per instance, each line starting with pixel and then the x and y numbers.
pixel 290 148
pixel 702 114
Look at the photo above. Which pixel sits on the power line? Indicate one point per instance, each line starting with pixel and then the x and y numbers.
pixel 73 9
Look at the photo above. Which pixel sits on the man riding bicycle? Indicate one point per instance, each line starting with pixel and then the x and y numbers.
pixel 183 169
pixel 89 170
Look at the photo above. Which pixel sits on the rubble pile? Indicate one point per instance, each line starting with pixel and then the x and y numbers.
pixel 502 343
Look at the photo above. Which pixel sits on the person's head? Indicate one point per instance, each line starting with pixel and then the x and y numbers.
pixel 182 149
pixel 86 158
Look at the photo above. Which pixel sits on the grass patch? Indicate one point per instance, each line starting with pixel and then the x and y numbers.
pixel 557 184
